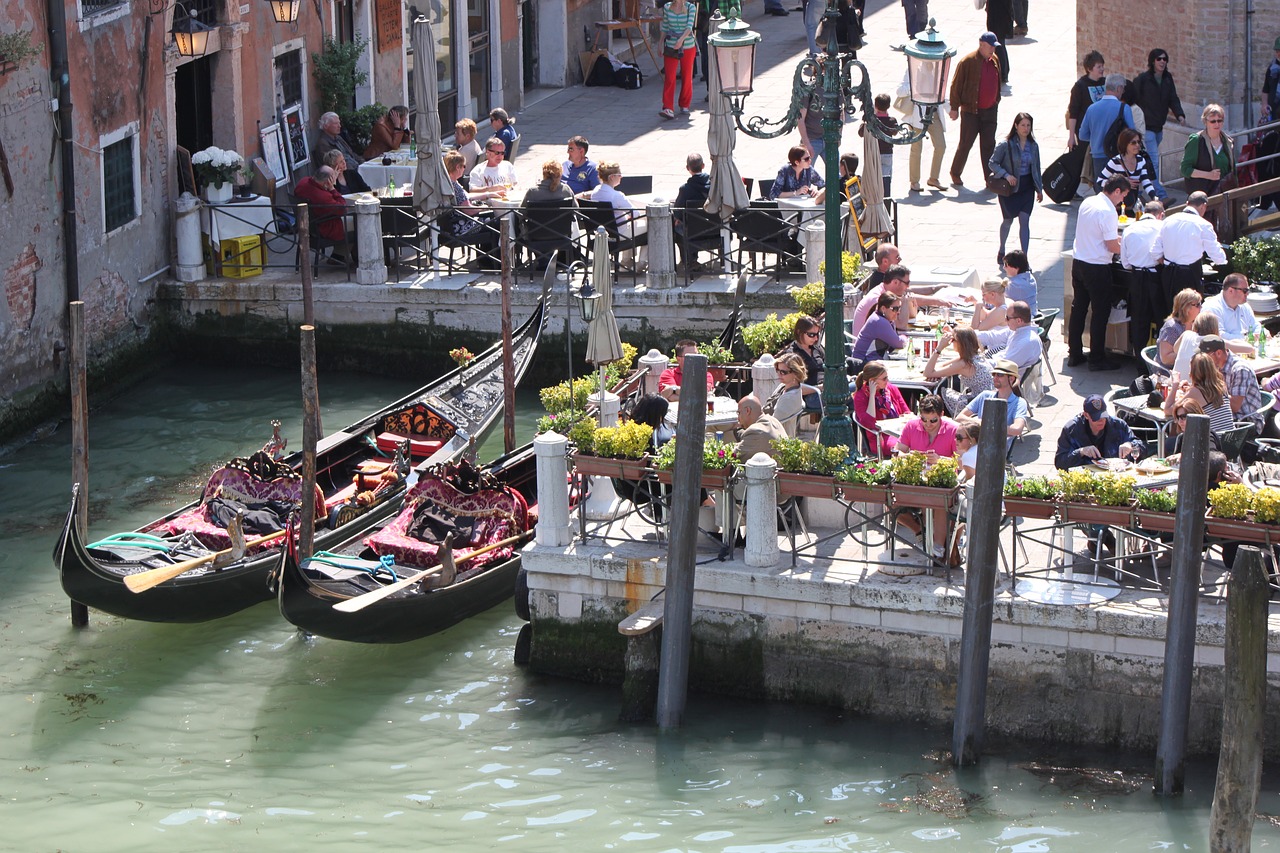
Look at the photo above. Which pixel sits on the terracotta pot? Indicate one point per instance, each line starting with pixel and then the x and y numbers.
pixel 806 485
pixel 1081 513
pixel 1162 522
pixel 1242 530
pixel 924 497
pixel 1029 508
pixel 719 374
pixel 857 493
pixel 600 466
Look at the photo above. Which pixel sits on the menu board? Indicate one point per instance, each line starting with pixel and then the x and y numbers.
pixel 390 18
pixel 295 134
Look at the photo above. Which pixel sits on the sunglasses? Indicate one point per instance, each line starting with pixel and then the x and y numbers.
pixel 1213 121
pixel 930 422
pixel 1180 416
pixel 1162 59
pixel 812 334
pixel 1238 287
pixel 782 371
pixel 894 308
pixel 806 159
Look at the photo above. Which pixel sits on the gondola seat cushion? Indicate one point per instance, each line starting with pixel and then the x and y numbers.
pixel 488 515
pixel 238 484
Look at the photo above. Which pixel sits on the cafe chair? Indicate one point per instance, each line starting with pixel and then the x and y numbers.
pixel 482 240
pixel 319 242
pixel 699 232
pixel 763 231
pixel 1044 323
pixel 401 229
pixel 749 183
pixel 1232 440
pixel 545 229
pixel 515 149
pixel 636 184
pixel 1150 359
pixel 1032 386
pixel 601 214
pixel 766 187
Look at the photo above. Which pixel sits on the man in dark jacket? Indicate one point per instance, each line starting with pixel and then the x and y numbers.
pixel 693 193
pixel 1093 434
pixel 1157 97
pixel 975 101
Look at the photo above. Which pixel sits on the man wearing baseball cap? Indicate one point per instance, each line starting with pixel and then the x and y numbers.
pixel 1094 434
pixel 975 100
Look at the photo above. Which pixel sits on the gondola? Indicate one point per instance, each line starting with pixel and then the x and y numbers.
pixel 309 589
pixel 436 423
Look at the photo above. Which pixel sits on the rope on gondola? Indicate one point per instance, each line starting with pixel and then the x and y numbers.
pixel 386 563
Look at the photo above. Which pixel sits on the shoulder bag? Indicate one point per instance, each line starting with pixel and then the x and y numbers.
pixel 1000 186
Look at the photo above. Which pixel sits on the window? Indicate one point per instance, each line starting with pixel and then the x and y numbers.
pixel 289 77
pixel 119 180
pixel 97 12
pixel 92 7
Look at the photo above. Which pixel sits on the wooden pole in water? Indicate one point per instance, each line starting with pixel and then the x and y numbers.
pixel 508 359
pixel 980 585
pixel 310 435
pixel 77 367
pixel 1180 631
pixel 677 613
pixel 1235 793
pixel 304 263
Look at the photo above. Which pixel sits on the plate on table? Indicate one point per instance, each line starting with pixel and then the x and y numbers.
pixel 1115 466
pixel 1154 467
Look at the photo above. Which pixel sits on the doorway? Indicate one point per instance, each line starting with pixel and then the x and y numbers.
pixel 529 44
pixel 193 104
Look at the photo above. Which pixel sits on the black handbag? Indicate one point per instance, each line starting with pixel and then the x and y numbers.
pixel 999 186
pixel 1063 175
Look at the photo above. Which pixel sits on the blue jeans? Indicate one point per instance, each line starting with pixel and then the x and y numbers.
pixel 813 12
pixel 1152 142
pixel 818 145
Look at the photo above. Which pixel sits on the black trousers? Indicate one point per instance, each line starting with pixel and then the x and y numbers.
pixel 1146 306
pixel 982 127
pixel 1181 276
pixel 1091 284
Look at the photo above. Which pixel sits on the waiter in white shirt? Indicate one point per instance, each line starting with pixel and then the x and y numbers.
pixel 1097 241
pixel 1184 241
pixel 1148 300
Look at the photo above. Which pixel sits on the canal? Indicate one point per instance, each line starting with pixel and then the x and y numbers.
pixel 240 734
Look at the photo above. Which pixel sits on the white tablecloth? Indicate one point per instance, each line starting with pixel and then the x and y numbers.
pixel 376 175
pixel 961 277
pixel 225 221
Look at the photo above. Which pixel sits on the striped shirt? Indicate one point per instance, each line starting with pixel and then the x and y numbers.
pixel 675 23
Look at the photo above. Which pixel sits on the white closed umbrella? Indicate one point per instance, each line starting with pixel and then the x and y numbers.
pixel 604 342
pixel 432 188
pixel 727 193
pixel 875 219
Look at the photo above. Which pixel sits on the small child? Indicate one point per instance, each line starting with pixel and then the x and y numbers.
pixel 889 125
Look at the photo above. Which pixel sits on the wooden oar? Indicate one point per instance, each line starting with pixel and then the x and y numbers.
pixel 360 602
pixel 143 581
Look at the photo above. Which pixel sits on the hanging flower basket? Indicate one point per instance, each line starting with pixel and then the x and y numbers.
pixel 805 485
pixel 1029 508
pixel 925 497
pixel 1160 522
pixel 1089 513
pixel 602 466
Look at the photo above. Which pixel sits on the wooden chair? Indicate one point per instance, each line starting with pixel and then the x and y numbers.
pixel 866 245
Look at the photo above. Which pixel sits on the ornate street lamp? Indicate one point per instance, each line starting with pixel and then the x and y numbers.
pixel 588 301
pixel 284 11
pixel 189 35
pixel 928 62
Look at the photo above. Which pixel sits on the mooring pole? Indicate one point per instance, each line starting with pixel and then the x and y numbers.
pixel 980 584
pixel 304 264
pixel 1235 793
pixel 677 612
pixel 508 360
pixel 77 366
pixel 1180 631
pixel 310 436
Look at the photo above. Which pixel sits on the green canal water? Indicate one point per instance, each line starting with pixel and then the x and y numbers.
pixel 241 735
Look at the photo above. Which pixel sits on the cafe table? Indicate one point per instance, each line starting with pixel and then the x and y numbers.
pixel 403 170
pixel 1137 406
pixel 722 418
pixel 904 377
pixel 1261 366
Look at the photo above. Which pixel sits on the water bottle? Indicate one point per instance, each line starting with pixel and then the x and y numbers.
pixel 1262 344
pixel 1248 336
pixel 413 148
pixel 391 187
pixel 911 355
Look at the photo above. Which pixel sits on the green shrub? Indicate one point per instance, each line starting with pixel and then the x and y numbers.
pixel 556 398
pixel 908 469
pixel 715 353
pixel 811 298
pixel 769 334
pixel 1158 500
pixel 1231 501
pixel 582 435
pixel 1113 489
pixel 715 455
pixel 942 474
pixel 1077 485
pixel 871 472
pixel 849 266
pixel 1258 259
pixel 560 423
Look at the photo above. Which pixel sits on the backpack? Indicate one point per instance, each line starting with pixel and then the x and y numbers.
pixel 628 77
pixel 601 72
pixel 1111 141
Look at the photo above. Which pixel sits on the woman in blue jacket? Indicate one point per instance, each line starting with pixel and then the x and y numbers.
pixel 1016 160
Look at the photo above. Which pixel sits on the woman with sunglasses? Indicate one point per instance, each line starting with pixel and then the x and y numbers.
pixel 1208 159
pixel 795 399
pixel 1132 164
pixel 876 399
pixel 969 364
pixel 1206 388
pixel 1157 97
pixel 1186 308
pixel 806 337
pixel 798 178
pixel 879 334
pixel 1179 429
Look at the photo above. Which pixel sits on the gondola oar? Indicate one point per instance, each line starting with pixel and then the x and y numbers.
pixel 360 602
pixel 143 581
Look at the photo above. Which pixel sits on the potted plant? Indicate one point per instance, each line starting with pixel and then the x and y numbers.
pixel 850 264
pixel 769 334
pixel 566 396
pixel 1030 497
pixel 16 48
pixel 717 357
pixel 1097 498
pixel 866 481
pixel 717 463
pixel 620 451
pixel 806 469
pixel 1155 509
pixel 811 298
pixel 217 169
pixel 922 486
pixel 1231 515
pixel 1257 259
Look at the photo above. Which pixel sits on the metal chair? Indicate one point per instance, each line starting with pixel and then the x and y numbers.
pixel 1232 440
pixel 546 230
pixel 763 231
pixel 699 232
pixel 319 242
pixel 1044 322
pixel 452 234
pixel 635 184
pixel 402 228
pixel 601 214
pixel 1151 359
pixel 515 148
pixel 766 187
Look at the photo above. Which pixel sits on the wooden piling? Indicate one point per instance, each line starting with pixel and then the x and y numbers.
pixel 77 367
pixel 677 618
pixel 310 436
pixel 1180 633
pixel 1235 793
pixel 980 585
pixel 304 264
pixel 508 360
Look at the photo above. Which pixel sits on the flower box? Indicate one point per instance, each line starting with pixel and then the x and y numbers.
pixel 1029 508
pixel 924 497
pixel 1241 529
pixel 858 493
pixel 1161 522
pixel 601 466
pixel 1082 513
pixel 712 478
pixel 806 485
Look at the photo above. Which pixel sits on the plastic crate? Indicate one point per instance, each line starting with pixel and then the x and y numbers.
pixel 242 257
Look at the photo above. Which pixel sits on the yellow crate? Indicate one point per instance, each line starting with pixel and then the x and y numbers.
pixel 242 257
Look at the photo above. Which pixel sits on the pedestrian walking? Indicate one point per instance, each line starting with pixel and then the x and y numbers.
pixel 679 48
pixel 1017 161
pixel 1208 160
pixel 975 101
pixel 1157 98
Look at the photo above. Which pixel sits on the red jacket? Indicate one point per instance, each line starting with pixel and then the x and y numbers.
pixel 328 205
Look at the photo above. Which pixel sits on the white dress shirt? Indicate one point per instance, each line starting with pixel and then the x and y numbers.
pixel 1138 245
pixel 1096 223
pixel 1187 236
pixel 1022 346
pixel 1236 322
pixel 484 175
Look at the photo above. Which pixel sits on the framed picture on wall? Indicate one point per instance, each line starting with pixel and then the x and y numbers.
pixel 273 152
pixel 295 138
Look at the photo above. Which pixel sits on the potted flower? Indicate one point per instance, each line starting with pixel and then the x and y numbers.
pixel 217 169
pixel 866 481
pixel 920 485
pixel 1097 498
pixel 717 357
pixel 717 463
pixel 620 451
pixel 806 469
pixel 1030 497
pixel 1155 509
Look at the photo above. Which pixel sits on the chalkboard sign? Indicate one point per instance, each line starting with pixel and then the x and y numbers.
pixel 296 138
pixel 389 14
